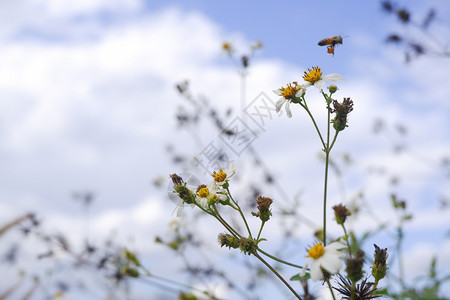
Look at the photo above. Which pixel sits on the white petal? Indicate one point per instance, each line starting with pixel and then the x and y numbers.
pixel 288 110
pixel 279 104
pixel 331 263
pixel 320 84
pixel 306 85
pixel 203 202
pixel 315 271
pixel 231 170
pixel 278 92
pixel 303 272
pixel 300 92
pixel 222 197
pixel 333 77
pixel 335 246
pixel 180 207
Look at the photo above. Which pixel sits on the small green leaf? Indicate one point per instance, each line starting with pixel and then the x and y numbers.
pixel 433 268
pixel 381 292
pixel 298 277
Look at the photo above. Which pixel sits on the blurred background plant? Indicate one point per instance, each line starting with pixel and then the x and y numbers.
pixel 103 267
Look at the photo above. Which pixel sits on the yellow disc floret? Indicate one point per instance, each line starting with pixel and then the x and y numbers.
pixel 203 192
pixel 316 251
pixel 219 176
pixel 290 90
pixel 313 75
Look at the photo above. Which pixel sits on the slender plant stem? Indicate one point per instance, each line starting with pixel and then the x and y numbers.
pixel 279 260
pixel 353 290
pixel 260 230
pixel 170 281
pixel 374 287
pixel 223 222
pixel 277 274
pixel 14 223
pixel 240 212
pixel 399 254
pixel 305 106
pixel 334 140
pixel 331 289
pixel 325 186
pixel 346 240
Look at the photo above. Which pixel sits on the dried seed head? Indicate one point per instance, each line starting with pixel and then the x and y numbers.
pixel 341 213
pixel 177 180
pixel 228 240
pixel 354 266
pixel 342 110
pixel 264 212
pixel 379 267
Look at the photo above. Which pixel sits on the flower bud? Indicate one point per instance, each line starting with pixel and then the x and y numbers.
pixel 184 296
pixel 130 256
pixel 182 190
pixel 341 213
pixel 264 212
pixel 228 240
pixel 379 267
pixel 342 110
pixel 130 272
pixel 354 266
pixel 332 88
pixel 248 245
pixel 245 61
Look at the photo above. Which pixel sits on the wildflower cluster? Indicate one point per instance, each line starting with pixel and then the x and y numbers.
pixel 325 259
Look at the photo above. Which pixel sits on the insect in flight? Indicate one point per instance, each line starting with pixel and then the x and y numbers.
pixel 331 42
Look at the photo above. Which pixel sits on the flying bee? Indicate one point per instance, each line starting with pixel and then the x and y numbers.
pixel 331 42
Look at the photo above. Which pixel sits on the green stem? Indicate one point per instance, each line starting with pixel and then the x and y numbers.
pixel 325 187
pixel 225 224
pixel 279 260
pixel 260 230
pixel 331 289
pixel 353 290
pixel 240 212
pixel 374 287
pixel 346 240
pixel 305 106
pixel 334 140
pixel 173 282
pixel 278 275
pixel 399 253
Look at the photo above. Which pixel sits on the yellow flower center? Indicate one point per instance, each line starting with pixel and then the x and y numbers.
pixel 313 75
pixel 290 91
pixel 226 47
pixel 203 192
pixel 219 176
pixel 316 251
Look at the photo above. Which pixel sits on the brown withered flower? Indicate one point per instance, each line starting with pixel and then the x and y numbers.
pixel 264 212
pixel 342 110
pixel 354 266
pixel 341 213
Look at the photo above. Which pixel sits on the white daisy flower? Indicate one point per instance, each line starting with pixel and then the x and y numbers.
pixel 328 258
pixel 287 94
pixel 314 77
pixel 207 195
pixel 221 177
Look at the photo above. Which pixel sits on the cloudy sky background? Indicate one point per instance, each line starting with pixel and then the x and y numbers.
pixel 87 102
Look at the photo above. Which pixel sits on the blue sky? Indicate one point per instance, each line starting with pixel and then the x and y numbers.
pixel 87 101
